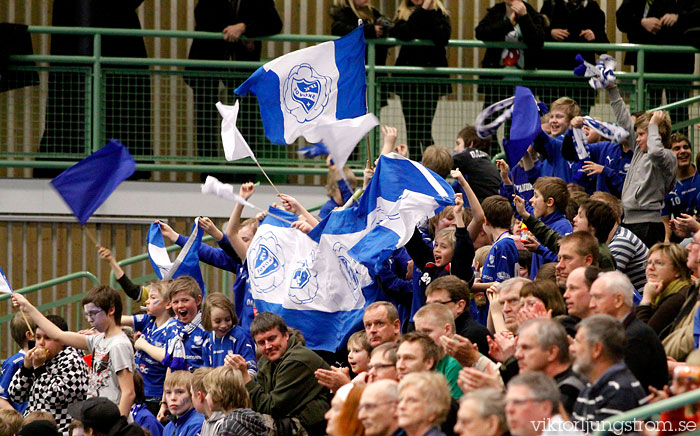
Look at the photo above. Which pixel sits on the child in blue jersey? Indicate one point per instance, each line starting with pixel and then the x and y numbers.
pixel 608 161
pixel 548 204
pixel 225 337
pixel 21 335
pixel 549 145
pixel 502 261
pixel 153 326
pixel 186 420
pixel 140 412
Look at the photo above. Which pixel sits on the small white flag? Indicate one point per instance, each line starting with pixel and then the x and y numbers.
pixel 235 146
pixel 5 287
pixel 213 186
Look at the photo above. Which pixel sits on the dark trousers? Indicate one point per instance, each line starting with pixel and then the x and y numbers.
pixel 418 102
pixel 649 233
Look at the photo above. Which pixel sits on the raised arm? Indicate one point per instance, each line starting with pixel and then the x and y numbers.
pixel 71 339
pixel 234 223
pixel 477 222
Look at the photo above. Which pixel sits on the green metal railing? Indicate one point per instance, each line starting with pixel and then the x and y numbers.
pixel 174 142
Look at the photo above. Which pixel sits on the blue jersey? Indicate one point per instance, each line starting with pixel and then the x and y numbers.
pixel 152 371
pixel 243 298
pixel 191 341
pixel 188 424
pixel 683 198
pixel 502 261
pixel 9 367
pixel 615 163
pixel 144 418
pixel 345 194
pixel 557 222
pixel 557 166
pixel 236 341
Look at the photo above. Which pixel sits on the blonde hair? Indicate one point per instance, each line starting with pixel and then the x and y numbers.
pixel 332 184
pixel 406 8
pixel 438 313
pixel 182 379
pixel 226 387
pixel 643 120
pixel 676 254
pixel 365 14
pixel 448 234
pixel 566 105
pixel 197 379
pixel 481 254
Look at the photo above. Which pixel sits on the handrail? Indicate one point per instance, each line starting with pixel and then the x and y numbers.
pixel 97 62
pixel 53 282
pixel 464 43
pixel 671 403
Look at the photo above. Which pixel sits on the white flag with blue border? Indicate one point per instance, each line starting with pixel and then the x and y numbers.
pixel 320 283
pixel 318 92
pixel 187 261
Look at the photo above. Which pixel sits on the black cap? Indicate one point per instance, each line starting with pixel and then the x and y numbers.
pixel 98 413
pixel 39 428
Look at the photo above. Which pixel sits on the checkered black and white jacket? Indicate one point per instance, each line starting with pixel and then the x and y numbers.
pixel 53 387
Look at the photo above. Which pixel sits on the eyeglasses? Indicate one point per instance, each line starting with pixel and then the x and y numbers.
pixel 380 366
pixel 93 313
pixel 371 406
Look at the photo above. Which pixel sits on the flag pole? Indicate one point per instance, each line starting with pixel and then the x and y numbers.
pixel 91 236
pixel 369 152
pixel 26 321
pixel 268 179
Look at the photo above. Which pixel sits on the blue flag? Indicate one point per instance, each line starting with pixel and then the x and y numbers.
pixel 318 92
pixel 187 262
pixel 525 125
pixel 314 150
pixel 87 184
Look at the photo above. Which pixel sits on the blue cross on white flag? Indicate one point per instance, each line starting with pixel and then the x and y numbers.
pixel 187 262
pixel 318 92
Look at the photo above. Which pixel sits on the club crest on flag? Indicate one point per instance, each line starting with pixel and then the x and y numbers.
pixel 348 267
pixel 267 270
pixel 304 284
pixel 306 93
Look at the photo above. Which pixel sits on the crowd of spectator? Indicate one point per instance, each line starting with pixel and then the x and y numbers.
pixel 554 294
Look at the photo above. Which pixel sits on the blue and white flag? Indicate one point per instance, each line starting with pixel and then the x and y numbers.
pixel 602 74
pixel 321 282
pixel 187 262
pixel 319 93
pixel 319 290
pixel 5 287
pixel 525 111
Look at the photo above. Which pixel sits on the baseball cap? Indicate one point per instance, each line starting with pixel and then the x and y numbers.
pixel 98 413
